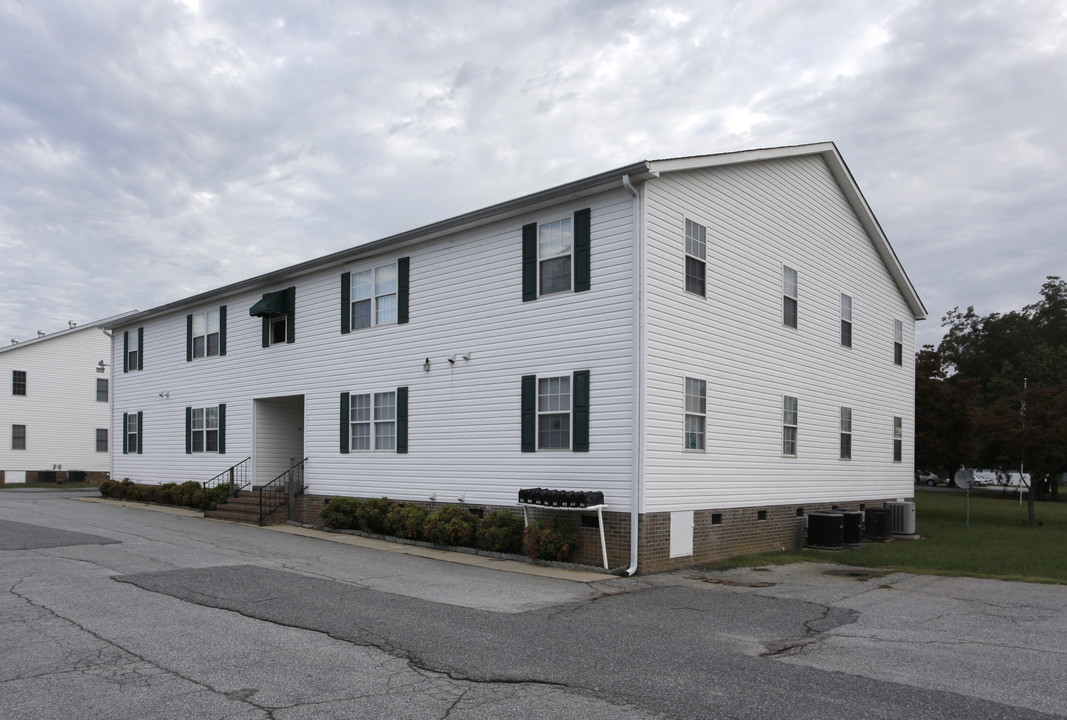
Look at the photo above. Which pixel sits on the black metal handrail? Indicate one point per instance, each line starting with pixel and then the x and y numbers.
pixel 236 477
pixel 279 491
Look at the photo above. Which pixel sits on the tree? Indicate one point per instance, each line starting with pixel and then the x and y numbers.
pixel 994 392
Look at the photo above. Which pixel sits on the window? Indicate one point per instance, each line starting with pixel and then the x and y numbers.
pixel 18 382
pixel 846 433
pixel 132 433
pixel 205 429
pixel 18 437
pixel 846 320
pixel 277 311
pixel 101 439
pixel 695 257
pixel 695 413
pixel 375 421
pixel 898 342
pixel 556 256
pixel 206 334
pixel 554 248
pixel 133 350
pixel 101 390
pixel 789 426
pixel 554 413
pixel 374 296
pixel 789 297
pixel 898 439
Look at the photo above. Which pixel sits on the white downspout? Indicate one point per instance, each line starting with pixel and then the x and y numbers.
pixel 638 369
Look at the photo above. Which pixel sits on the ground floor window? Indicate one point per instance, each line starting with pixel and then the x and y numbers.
pixel 18 437
pixel 205 429
pixel 789 426
pixel 695 413
pixel 898 439
pixel 101 439
pixel 374 421
pixel 846 433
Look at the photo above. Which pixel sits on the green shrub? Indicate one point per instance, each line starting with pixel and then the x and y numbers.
pixel 373 514
pixel 127 488
pixel 408 521
pixel 452 525
pixel 189 493
pixel 110 489
pixel 340 513
pixel 500 531
pixel 550 539
pixel 165 494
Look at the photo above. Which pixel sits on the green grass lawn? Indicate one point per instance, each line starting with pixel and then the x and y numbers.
pixel 48 486
pixel 998 544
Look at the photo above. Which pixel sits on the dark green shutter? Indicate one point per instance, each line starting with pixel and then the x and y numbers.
pixel 402 420
pixel 529 262
pixel 140 348
pixel 126 351
pixel 222 428
pixel 581 411
pixel 188 431
pixel 344 421
pixel 582 253
pixel 140 432
pixel 222 329
pixel 346 302
pixel 403 270
pixel 290 314
pixel 529 413
pixel 265 327
pixel 188 338
pixel 125 429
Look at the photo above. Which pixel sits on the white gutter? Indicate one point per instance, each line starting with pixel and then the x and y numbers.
pixel 638 369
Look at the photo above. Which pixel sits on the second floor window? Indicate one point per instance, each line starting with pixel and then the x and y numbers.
pixel 846 320
pixel 206 334
pixel 789 297
pixel 101 390
pixel 695 258
pixel 18 382
pixel 133 350
pixel 898 342
pixel 554 248
pixel 374 296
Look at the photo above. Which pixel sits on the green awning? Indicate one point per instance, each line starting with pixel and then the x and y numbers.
pixel 272 304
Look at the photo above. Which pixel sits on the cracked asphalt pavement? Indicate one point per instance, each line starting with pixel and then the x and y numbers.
pixel 123 612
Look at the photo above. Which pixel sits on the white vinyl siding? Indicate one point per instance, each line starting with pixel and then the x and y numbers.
pixel 764 216
pixel 60 409
pixel 463 422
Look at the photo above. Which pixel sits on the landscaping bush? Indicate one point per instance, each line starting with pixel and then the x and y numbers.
pixel 165 493
pixel 340 513
pixel 408 521
pixel 110 488
pixel 500 531
pixel 550 539
pixel 452 525
pixel 373 514
pixel 190 493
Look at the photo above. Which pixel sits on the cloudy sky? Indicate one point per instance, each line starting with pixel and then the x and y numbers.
pixel 152 149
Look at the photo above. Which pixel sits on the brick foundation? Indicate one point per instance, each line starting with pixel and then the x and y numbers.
pixel 717 535
pixel 64 476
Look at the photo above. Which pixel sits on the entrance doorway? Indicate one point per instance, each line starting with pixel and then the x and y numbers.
pixel 277 436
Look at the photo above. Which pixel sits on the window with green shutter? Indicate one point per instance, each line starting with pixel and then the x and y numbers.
pixel 375 421
pixel 377 294
pixel 555 412
pixel 205 429
pixel 277 311
pixel 556 256
pixel 205 334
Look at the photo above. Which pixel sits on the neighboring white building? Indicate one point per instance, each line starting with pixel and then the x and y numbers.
pixel 719 343
pixel 55 405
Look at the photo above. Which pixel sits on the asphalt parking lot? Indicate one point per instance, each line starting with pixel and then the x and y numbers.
pixel 124 612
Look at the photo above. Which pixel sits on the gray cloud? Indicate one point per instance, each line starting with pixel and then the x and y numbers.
pixel 151 149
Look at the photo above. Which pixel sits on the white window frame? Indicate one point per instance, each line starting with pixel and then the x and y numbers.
pixel 694 435
pixel 898 439
pixel 133 431
pixel 551 405
pixel 374 412
pixel 696 252
pixel 205 327
pixel 204 427
pixel 100 437
pixel 379 288
pixel 790 423
pixel 846 320
pixel 898 343
pixel 276 326
pixel 845 445
pixel 790 295
pixel 16 436
pixel 555 247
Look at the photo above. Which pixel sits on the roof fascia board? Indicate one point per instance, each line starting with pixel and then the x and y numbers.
pixel 697 162
pixel 103 323
pixel 602 182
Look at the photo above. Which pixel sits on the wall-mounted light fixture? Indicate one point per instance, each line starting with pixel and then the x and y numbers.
pixel 101 365
pixel 165 394
pixel 451 359
pixel 467 356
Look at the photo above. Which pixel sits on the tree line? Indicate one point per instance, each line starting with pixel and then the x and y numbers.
pixel 993 393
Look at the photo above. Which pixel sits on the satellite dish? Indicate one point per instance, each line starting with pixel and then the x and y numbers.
pixel 963 478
